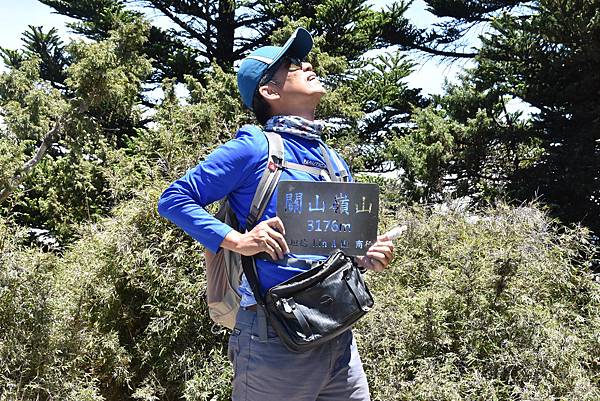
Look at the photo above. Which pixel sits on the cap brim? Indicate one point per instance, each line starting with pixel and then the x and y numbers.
pixel 298 45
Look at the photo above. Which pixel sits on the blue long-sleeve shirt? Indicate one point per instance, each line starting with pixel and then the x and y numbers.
pixel 234 170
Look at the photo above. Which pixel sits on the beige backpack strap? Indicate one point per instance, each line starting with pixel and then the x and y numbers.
pixel 269 179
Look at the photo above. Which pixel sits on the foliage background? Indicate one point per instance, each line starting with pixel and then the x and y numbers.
pixel 490 296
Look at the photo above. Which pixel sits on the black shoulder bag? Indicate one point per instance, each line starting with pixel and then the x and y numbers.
pixel 317 305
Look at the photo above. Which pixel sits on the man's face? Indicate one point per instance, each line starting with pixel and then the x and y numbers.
pixel 296 82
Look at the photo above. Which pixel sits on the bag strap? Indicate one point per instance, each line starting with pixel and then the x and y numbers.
pixel 249 267
pixel 300 318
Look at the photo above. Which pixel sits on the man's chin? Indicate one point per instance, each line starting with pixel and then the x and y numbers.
pixel 322 91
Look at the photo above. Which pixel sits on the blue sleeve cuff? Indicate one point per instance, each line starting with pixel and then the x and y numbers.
pixel 214 242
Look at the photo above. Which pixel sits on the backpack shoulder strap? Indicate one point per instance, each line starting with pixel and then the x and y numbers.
pixel 307 169
pixel 269 179
pixel 343 174
pixel 264 190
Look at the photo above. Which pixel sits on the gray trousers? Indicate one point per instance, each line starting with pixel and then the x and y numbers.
pixel 267 371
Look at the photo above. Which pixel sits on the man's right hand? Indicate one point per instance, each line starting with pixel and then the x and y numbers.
pixel 267 236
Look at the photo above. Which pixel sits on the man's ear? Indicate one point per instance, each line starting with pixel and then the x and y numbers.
pixel 268 92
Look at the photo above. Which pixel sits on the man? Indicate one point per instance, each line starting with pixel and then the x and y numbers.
pixel 283 92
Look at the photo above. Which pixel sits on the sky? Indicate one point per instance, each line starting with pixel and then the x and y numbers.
pixel 16 15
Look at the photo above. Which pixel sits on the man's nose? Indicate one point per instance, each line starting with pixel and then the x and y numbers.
pixel 306 66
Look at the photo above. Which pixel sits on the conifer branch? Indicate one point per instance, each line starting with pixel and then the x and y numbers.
pixel 47 140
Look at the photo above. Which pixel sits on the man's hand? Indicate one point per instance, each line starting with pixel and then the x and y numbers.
pixel 379 255
pixel 267 236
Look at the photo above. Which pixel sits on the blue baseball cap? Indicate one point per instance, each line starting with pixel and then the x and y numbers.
pixel 265 60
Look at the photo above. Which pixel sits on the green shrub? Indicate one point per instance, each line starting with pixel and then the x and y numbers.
pixel 142 288
pixel 122 316
pixel 495 306
pixel 25 316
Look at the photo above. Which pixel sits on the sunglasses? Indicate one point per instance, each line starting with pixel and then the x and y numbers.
pixel 295 64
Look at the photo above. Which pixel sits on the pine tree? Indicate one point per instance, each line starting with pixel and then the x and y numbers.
pixel 544 55
pixel 58 135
